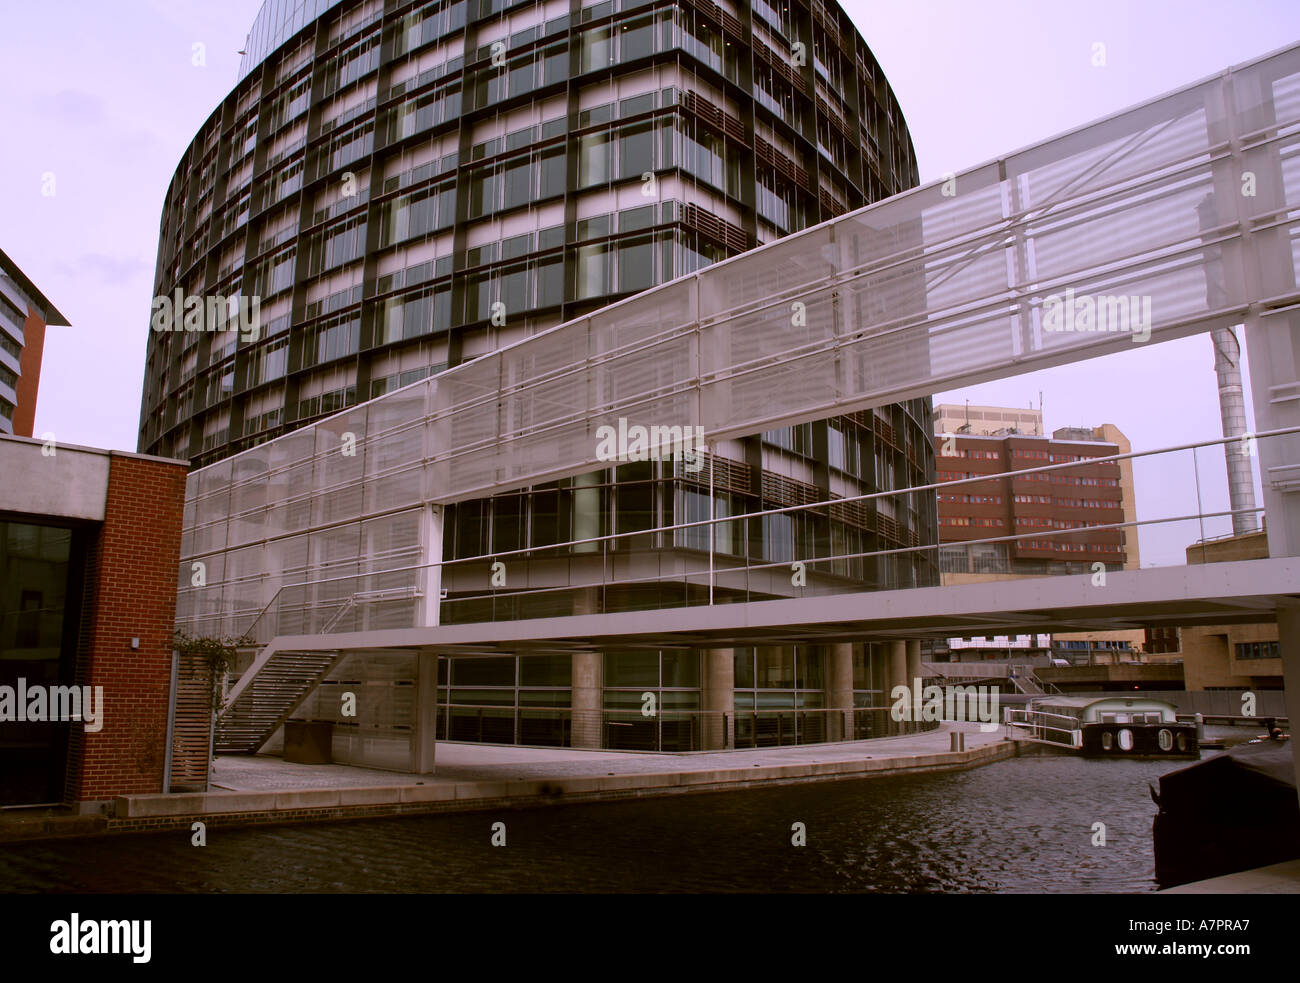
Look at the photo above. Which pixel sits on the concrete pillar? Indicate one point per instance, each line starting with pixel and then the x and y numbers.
pixel 1288 633
pixel 839 691
pixel 895 667
pixel 913 661
pixel 896 676
pixel 424 734
pixel 588 698
pixel 588 683
pixel 1263 266
pixel 718 699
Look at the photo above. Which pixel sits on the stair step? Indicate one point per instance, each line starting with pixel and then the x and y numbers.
pixel 270 696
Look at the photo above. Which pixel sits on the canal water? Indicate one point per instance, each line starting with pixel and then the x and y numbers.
pixel 1027 824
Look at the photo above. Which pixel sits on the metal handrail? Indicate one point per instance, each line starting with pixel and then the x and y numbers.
pixel 339 614
pixel 659 712
pixel 1012 712
pixel 718 571
pixel 765 724
pixel 891 493
pixel 810 561
pixel 1040 723
pixel 532 551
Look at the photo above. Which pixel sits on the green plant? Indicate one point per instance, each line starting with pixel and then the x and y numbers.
pixel 211 655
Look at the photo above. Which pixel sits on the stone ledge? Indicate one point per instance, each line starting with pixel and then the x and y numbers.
pixel 427 793
pixel 378 795
pixel 307 798
pixel 157 813
pixel 613 783
pixel 472 791
pixel 194 803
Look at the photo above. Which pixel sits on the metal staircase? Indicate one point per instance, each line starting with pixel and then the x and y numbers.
pixel 279 680
pixel 1027 682
pixel 1022 677
pixel 272 688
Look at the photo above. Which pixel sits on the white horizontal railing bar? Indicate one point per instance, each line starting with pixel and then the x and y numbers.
pixel 826 503
pixel 891 493
pixel 813 561
pixel 703 573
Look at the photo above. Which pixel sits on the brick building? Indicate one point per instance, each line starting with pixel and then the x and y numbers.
pixel 24 314
pixel 971 441
pixel 1049 503
pixel 1224 657
pixel 89 542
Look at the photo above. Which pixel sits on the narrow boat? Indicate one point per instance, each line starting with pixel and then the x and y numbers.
pixel 1105 726
pixel 1233 811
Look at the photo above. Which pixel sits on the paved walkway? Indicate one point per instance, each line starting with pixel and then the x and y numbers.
pixel 1283 878
pixel 469 777
pixel 494 762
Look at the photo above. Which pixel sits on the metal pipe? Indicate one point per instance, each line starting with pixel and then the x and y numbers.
pixel 1232 410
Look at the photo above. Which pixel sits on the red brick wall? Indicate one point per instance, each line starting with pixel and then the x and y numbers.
pixel 131 593
pixel 1009 510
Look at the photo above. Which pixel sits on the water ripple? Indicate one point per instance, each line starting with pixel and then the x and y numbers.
pixel 1023 825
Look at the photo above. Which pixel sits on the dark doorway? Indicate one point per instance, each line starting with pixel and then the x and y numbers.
pixel 40 605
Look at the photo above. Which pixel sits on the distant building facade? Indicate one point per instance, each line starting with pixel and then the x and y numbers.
pixel 971 441
pixel 1020 649
pixel 1092 648
pixel 1091 495
pixel 24 314
pixel 986 420
pixel 1233 657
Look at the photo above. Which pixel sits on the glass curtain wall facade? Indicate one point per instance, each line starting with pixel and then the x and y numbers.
pixel 404 187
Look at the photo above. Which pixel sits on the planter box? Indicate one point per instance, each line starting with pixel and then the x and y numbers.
pixel 309 742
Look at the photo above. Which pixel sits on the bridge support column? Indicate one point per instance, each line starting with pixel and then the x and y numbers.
pixel 718 699
pixel 896 676
pixel 1288 633
pixel 913 661
pixel 1262 267
pixel 839 692
pixel 424 736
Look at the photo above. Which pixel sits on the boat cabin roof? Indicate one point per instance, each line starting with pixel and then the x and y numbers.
pixel 1087 701
pixel 1119 702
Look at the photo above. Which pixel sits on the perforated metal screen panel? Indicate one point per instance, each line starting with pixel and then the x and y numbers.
pixel 958 282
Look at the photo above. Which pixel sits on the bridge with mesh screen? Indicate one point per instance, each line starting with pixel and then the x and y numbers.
pixel 1174 217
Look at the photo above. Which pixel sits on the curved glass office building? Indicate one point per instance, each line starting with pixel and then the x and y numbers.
pixel 393 189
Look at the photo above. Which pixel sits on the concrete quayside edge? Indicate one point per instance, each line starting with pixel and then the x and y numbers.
pixel 263 799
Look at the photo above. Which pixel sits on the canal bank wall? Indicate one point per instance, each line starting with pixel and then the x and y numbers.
pixel 158 813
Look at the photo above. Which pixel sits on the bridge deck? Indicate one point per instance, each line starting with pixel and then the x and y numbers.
pixel 1219 593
